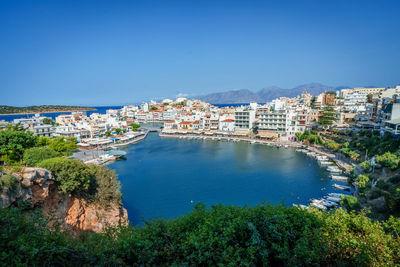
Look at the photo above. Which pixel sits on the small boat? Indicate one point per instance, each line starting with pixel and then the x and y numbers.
pixel 339 178
pixel 318 206
pixel 329 204
pixel 335 195
pixel 333 199
pixel 341 187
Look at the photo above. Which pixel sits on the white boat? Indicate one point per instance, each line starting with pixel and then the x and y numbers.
pixel 339 178
pixel 325 163
pixel 329 204
pixel 333 199
pixel 318 206
pixel 341 187
pixel 335 195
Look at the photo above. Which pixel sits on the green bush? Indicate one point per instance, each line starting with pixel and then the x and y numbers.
pixel 8 181
pixel 220 236
pixel 365 166
pixel 35 155
pixel 350 153
pixel 64 144
pixel 332 145
pixel 14 143
pixel 362 181
pixel 389 160
pixel 73 176
pixel 105 188
pixel 350 203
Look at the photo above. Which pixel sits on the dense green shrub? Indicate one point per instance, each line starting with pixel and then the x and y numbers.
pixel 35 155
pixel 353 239
pixel 14 143
pixel 8 181
pixel 332 145
pixel 43 141
pixel 389 160
pixel 105 187
pixel 365 166
pixel 362 181
pixel 64 144
pixel 350 203
pixel 134 126
pixel 221 236
pixel 73 176
pixel 26 240
pixel 311 136
pixel 350 153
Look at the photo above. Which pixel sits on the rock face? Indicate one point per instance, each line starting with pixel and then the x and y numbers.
pixel 37 188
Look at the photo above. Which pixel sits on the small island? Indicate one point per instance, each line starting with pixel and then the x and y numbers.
pixel 10 110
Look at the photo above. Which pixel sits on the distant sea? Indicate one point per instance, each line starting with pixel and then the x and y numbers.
pixel 233 105
pixel 101 110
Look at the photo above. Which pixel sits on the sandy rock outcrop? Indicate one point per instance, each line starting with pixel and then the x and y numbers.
pixel 37 187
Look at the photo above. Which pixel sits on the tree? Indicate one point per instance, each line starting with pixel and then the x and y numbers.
pixel 43 141
pixel 134 126
pixel 362 181
pixel 13 144
pixel 153 108
pixel 369 98
pixel 107 133
pixel 118 130
pixel 350 203
pixel 72 176
pixel 389 160
pixel 35 155
pixel 64 144
pixel 15 127
pixel 106 189
pixel 49 121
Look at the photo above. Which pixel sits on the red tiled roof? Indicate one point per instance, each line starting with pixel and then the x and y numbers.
pixel 185 122
pixel 228 120
pixel 170 122
pixel 196 122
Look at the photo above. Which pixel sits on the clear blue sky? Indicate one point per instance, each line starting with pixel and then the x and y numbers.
pixel 117 52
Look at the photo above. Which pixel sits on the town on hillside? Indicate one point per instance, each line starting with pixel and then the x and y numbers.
pixel 278 120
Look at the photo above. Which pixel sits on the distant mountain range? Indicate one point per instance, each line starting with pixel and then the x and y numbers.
pixel 265 94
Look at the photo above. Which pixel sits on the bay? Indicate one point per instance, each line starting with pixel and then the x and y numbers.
pixel 165 177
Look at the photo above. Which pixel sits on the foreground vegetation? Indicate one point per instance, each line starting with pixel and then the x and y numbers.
pixel 20 148
pixel 221 235
pixel 41 109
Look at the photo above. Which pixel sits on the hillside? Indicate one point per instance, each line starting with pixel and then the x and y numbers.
pixel 8 110
pixel 265 94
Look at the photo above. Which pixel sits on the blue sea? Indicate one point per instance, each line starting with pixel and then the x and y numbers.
pixel 165 177
pixel 101 110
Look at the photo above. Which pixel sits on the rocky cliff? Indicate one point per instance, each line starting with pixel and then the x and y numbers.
pixel 36 187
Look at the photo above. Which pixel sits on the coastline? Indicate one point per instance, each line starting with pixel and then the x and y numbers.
pixel 49 111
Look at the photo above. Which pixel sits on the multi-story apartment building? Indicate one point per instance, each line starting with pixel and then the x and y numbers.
pixel 43 130
pixel 244 118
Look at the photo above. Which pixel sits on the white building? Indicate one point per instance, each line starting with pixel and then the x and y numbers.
pixel 244 118
pixel 227 125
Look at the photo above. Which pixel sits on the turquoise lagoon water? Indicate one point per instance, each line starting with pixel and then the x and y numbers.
pixel 165 177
